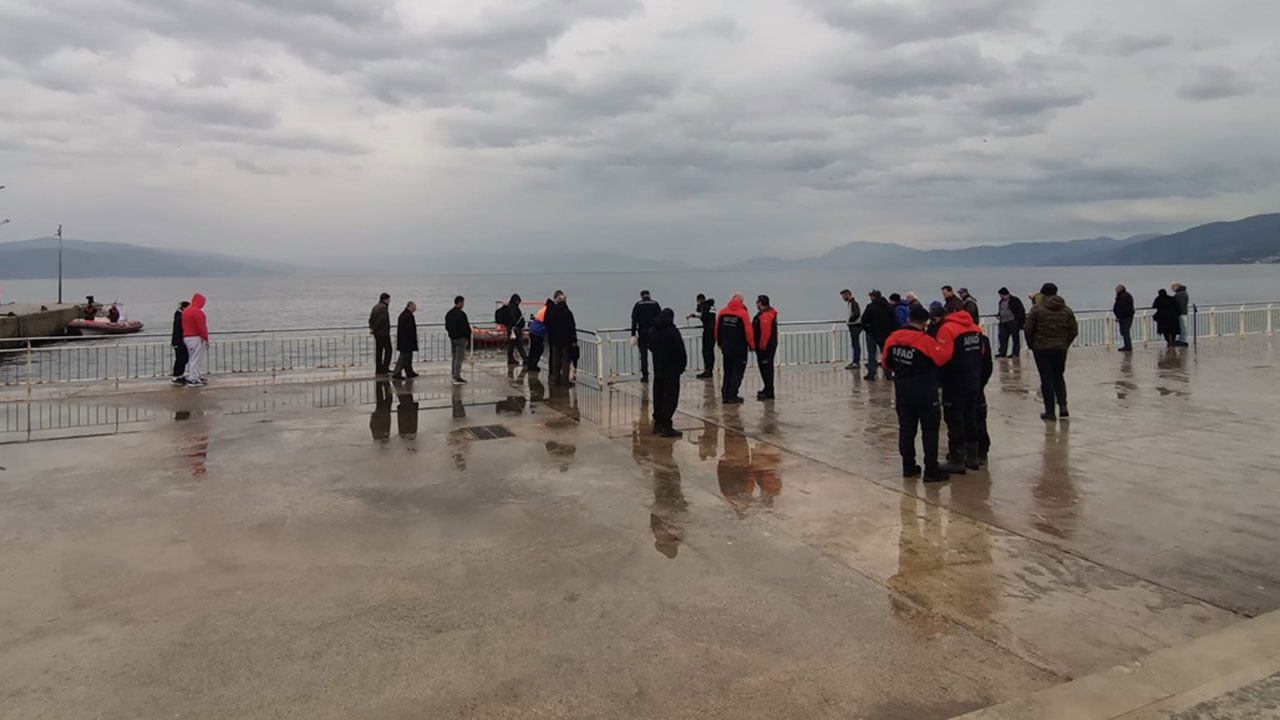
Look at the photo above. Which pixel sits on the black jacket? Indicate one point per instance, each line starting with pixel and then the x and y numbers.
pixel 562 329
pixel 1018 309
pixel 456 324
pixel 177 328
pixel 511 314
pixel 878 320
pixel 707 314
pixel 963 372
pixel 1167 315
pixel 971 307
pixel 914 358
pixel 643 315
pixel 407 332
pixel 669 356
pixel 1123 309
pixel 380 320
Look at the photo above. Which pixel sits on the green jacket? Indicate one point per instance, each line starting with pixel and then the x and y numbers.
pixel 1051 325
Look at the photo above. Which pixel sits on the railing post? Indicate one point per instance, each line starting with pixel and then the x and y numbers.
pixel 1269 322
pixel 1241 321
pixel 118 363
pixel 1110 329
pixel 1213 322
pixel 835 357
pixel 599 362
pixel 30 366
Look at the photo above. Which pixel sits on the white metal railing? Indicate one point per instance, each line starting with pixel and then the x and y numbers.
pixel 605 356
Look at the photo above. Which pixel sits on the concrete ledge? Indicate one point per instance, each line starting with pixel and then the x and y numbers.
pixel 1160 684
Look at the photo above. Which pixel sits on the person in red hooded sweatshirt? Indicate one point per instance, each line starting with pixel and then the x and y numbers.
pixel 765 327
pixel 962 389
pixel 195 335
pixel 736 339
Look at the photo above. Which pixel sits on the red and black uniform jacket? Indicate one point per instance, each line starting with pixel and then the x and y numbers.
pixel 765 326
pixel 734 333
pixel 914 358
pixel 963 373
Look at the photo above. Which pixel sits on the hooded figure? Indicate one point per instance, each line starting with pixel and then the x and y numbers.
pixel 195 335
pixel 669 361
pixel 562 336
pixel 512 318
pixel 1167 317
pixel 179 347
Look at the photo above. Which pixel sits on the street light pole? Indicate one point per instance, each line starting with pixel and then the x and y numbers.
pixel 59 264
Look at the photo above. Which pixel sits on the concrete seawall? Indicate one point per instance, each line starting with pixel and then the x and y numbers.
pixel 26 320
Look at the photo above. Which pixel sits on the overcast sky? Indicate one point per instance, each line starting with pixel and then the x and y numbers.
pixel 692 129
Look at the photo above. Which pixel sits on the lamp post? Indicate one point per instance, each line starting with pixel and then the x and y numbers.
pixel 59 264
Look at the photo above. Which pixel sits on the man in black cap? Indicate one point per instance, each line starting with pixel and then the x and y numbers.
pixel 914 359
pixel 878 323
pixel 643 315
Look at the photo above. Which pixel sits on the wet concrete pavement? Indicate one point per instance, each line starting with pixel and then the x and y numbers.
pixel 356 549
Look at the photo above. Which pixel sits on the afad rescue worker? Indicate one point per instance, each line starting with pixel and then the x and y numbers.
pixel 988 366
pixel 765 326
pixel 706 313
pixel 643 314
pixel 914 359
pixel 736 339
pixel 962 388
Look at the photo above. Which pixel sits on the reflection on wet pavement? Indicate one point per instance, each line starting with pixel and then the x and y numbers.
pixel 582 541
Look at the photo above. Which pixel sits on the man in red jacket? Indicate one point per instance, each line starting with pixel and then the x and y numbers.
pixel 962 389
pixel 914 358
pixel 736 339
pixel 195 335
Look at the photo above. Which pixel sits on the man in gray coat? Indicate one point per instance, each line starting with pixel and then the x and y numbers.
pixel 1183 298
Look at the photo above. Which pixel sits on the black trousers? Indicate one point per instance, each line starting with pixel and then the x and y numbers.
pixel 536 345
pixel 642 342
pixel 961 411
pixel 734 369
pixel 708 352
pixel 873 356
pixel 666 397
pixel 180 359
pixel 984 438
pixel 1126 331
pixel 404 364
pixel 1010 330
pixel 560 362
pixel 515 343
pixel 1052 365
pixel 765 361
pixel 928 419
pixel 382 354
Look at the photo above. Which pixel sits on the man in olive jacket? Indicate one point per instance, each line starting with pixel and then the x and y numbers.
pixel 1051 328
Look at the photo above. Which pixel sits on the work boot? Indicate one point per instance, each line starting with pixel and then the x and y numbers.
pixel 971 456
pixel 764 395
pixel 910 469
pixel 670 432
pixel 938 474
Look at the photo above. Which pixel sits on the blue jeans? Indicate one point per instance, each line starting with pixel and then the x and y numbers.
pixel 855 331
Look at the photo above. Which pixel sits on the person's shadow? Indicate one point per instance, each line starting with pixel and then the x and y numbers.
pixel 666 520
pixel 407 416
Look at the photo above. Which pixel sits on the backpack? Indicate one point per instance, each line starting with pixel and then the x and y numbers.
pixel 500 315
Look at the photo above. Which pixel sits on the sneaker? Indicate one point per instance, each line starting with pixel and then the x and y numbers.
pixel 412 374
pixel 869 376
pixel 671 433
pixel 1047 416
pixel 732 401
pixel 1126 349
pixel 939 475
pixel 762 395
pixel 950 467
pixel 851 366
pixel 1000 355
pixel 459 381
pixel 704 375
pixel 910 472
pixel 178 381
pixel 397 377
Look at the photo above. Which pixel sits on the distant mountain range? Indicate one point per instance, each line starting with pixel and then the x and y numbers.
pixel 83 258
pixel 1251 240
